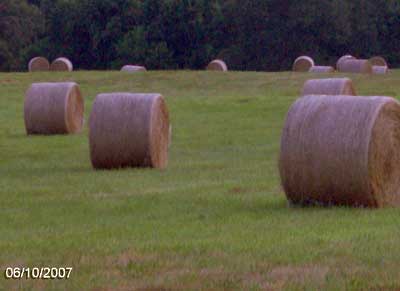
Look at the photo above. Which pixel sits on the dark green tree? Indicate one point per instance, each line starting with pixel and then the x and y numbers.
pixel 187 34
pixel 20 25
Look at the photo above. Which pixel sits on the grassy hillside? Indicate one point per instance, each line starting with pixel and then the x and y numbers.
pixel 215 219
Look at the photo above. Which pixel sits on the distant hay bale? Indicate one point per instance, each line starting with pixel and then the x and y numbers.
pixel 133 68
pixel 379 70
pixel 355 66
pixel 217 65
pixel 62 64
pixel 38 64
pixel 343 58
pixel 129 130
pixel 53 108
pixel 342 150
pixel 303 64
pixel 338 86
pixel 378 61
pixel 322 69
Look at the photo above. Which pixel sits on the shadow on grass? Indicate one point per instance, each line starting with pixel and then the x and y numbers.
pixel 282 206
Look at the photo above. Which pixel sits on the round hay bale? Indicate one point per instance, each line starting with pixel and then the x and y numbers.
pixel 322 69
pixel 129 130
pixel 342 150
pixel 338 86
pixel 379 70
pixel 343 58
pixel 132 68
pixel 170 136
pixel 62 65
pixel 378 61
pixel 355 66
pixel 217 65
pixel 303 64
pixel 53 108
pixel 38 64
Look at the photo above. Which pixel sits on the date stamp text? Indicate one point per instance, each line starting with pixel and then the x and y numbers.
pixel 43 273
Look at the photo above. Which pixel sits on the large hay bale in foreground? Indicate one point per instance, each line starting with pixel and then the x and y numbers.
pixel 53 108
pixel 322 69
pixel 129 130
pixel 378 61
pixel 62 65
pixel 342 150
pixel 38 64
pixel 133 68
pixel 343 58
pixel 355 66
pixel 337 86
pixel 303 64
pixel 217 65
pixel 379 70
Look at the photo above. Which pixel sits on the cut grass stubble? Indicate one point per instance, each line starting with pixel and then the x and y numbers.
pixel 216 218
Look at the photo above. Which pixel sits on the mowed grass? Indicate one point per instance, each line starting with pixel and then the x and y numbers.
pixel 217 218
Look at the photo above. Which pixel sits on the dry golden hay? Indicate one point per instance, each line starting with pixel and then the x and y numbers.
pixel 53 108
pixel 133 68
pixel 61 64
pixel 343 58
pixel 355 66
pixel 38 64
pixel 303 64
pixel 337 86
pixel 379 70
pixel 217 65
pixel 342 150
pixel 378 61
pixel 129 130
pixel 322 69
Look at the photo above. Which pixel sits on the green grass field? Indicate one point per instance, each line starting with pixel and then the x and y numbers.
pixel 217 218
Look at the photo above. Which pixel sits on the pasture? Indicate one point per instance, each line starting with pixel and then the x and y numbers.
pixel 217 218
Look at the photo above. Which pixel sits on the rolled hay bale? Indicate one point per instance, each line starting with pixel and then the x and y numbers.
pixel 355 66
pixel 322 69
pixel 343 58
pixel 378 61
pixel 38 64
pixel 53 108
pixel 132 68
pixel 337 86
pixel 303 64
pixel 62 65
pixel 170 136
pixel 380 70
pixel 129 130
pixel 342 150
pixel 217 65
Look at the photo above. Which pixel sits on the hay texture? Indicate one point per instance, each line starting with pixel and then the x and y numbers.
pixel 303 64
pixel 378 61
pixel 322 69
pixel 379 70
pixel 38 64
pixel 355 66
pixel 62 65
pixel 342 150
pixel 53 108
pixel 133 69
pixel 338 86
pixel 170 136
pixel 129 130
pixel 343 58
pixel 217 65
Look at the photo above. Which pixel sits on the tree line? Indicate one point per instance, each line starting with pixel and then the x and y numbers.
pixel 187 34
